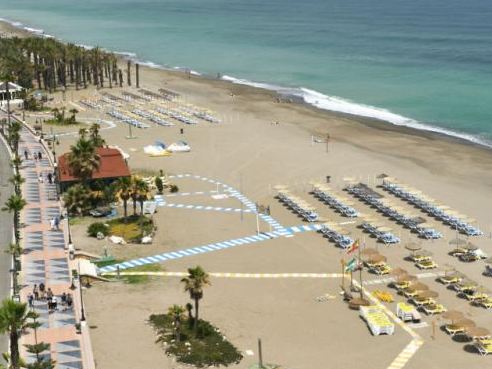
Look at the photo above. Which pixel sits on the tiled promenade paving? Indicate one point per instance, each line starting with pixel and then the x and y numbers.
pixel 45 261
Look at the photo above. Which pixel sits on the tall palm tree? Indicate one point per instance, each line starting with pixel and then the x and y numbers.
pixel 83 159
pixel 77 199
pixel 17 180
pixel 176 313
pixel 16 163
pixel 143 194
pixel 124 186
pixel 138 193
pixel 95 135
pixel 14 319
pixel 194 283
pixel 14 205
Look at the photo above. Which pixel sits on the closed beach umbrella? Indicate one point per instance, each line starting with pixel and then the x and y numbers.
pixel 453 315
pixel 427 294
pixel 477 332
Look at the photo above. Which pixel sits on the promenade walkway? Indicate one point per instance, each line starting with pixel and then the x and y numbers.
pixel 45 261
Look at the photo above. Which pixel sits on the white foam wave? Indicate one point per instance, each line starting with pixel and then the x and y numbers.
pixel 311 97
pixel 340 105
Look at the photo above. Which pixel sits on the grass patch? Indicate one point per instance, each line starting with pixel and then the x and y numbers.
pixel 75 220
pixel 131 279
pixel 208 348
pixel 104 263
pixel 131 229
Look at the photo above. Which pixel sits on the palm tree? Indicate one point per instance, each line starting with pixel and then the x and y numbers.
pixel 16 163
pixel 176 313
pixel 77 199
pixel 14 320
pixel 194 283
pixel 139 192
pixel 17 180
pixel 143 195
pixel 123 185
pixel 15 204
pixel 83 159
pixel 74 112
pixel 95 135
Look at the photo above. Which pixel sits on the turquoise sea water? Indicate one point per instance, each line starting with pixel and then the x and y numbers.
pixel 425 63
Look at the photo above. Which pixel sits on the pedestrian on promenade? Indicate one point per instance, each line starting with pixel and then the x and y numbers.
pixel 42 291
pixel 69 301
pixel 35 292
pixel 57 223
pixel 40 178
pixel 26 154
pixel 50 178
pixel 30 300
pixel 40 156
pixel 49 294
pixel 52 223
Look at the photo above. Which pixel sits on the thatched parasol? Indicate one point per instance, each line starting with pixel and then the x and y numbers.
pixel 376 258
pixel 427 294
pixel 458 242
pixel 418 286
pixel 406 278
pixel 398 271
pixel 413 246
pixel 423 253
pixel 453 315
pixel 477 332
pixel 369 251
pixel 465 323
pixel 357 302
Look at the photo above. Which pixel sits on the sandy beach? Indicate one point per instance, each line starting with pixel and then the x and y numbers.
pixel 252 153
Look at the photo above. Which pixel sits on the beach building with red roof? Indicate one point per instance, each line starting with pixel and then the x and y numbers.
pixel 112 166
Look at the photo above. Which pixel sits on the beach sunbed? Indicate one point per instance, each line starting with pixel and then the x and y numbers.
pixel 433 309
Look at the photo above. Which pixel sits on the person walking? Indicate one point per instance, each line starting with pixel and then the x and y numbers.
pixel 57 223
pixel 30 300
pixel 26 154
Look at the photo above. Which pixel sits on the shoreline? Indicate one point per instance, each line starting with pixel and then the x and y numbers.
pixel 427 131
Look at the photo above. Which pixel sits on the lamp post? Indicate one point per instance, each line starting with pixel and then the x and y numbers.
pixel 82 312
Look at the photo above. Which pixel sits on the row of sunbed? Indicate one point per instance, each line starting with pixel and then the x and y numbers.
pixel 125 117
pixel 337 235
pixel 342 204
pixel 425 203
pixel 152 117
pixel 394 212
pixel 378 230
pixel 299 206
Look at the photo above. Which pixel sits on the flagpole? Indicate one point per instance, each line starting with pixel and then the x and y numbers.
pixel 342 261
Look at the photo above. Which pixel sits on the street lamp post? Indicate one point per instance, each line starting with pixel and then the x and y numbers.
pixel 82 311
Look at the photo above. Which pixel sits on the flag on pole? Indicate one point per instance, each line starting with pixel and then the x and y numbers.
pixel 353 247
pixel 351 265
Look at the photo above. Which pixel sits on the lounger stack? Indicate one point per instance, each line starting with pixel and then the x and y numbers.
pixel 336 235
pixel 425 203
pixel 407 312
pixel 393 211
pixel 297 205
pixel 377 320
pixel 343 205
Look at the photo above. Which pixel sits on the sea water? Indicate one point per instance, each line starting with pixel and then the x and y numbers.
pixel 422 63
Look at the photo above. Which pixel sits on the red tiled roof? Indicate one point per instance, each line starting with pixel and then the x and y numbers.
pixel 111 165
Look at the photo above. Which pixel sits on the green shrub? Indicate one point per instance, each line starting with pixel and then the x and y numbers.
pixel 159 184
pixel 96 228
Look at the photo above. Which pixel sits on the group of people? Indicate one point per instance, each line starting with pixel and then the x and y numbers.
pixel 40 293
pixel 55 223
pixel 37 155
pixel 49 176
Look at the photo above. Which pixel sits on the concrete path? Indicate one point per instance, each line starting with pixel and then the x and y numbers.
pixel 45 261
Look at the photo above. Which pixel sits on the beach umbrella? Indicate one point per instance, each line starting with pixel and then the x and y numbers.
pixel 427 294
pixel 369 251
pixel 470 247
pixel 465 323
pixel 477 332
pixel 398 271
pixel 468 283
pixel 406 278
pixel 418 286
pixel 357 302
pixel 423 253
pixel 413 246
pixel 376 258
pixel 458 242
pixel 453 315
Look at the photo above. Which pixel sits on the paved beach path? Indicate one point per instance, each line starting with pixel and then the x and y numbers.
pixel 45 261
